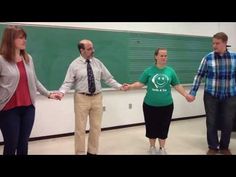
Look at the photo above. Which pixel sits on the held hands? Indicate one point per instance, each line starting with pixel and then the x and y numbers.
pixel 125 87
pixel 56 95
pixel 190 98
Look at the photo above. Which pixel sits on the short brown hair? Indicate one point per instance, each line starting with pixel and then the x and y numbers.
pixel 7 48
pixel 222 36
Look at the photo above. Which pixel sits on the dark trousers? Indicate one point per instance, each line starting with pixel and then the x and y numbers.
pixel 219 113
pixel 16 125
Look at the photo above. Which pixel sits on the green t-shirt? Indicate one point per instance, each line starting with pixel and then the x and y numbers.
pixel 159 83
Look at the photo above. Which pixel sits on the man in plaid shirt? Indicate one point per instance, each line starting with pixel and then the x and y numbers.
pixel 219 70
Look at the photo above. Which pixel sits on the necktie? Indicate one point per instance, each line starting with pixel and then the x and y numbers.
pixel 91 81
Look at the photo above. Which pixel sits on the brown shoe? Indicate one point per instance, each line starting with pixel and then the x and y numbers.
pixel 225 152
pixel 212 152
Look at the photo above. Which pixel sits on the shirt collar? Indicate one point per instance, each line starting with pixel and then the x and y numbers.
pixel 216 53
pixel 83 59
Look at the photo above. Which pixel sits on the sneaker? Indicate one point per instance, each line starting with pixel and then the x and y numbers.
pixel 225 152
pixel 162 151
pixel 152 150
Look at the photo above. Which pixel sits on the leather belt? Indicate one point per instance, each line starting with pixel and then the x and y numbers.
pixel 90 94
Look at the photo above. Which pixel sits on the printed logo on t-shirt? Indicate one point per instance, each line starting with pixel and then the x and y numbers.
pixel 160 81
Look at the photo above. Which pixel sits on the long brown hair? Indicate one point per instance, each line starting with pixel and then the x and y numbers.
pixel 157 52
pixel 7 48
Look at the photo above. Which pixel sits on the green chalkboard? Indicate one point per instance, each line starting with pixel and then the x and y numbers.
pixel 184 53
pixel 125 54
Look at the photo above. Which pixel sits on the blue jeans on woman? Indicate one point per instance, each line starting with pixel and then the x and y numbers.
pixel 220 114
pixel 16 125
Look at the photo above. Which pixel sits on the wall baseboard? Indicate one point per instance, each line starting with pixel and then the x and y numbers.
pixel 104 129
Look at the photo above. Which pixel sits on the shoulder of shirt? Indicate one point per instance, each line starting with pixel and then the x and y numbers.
pixel 30 57
pixel 232 53
pixel 79 60
pixel 1 59
pixel 170 68
pixel 31 61
pixel 149 68
pixel 76 61
pixel 209 55
pixel 97 60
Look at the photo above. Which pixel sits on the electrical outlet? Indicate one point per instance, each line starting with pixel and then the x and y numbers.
pixel 130 106
pixel 104 108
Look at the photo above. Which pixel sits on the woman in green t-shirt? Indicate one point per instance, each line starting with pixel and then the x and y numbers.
pixel 158 103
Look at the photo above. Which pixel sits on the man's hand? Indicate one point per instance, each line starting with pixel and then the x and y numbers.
pixel 124 87
pixel 190 98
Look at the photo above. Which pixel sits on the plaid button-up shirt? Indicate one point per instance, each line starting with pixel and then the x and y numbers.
pixel 220 73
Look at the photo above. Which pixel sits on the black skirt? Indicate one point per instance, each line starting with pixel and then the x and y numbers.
pixel 157 120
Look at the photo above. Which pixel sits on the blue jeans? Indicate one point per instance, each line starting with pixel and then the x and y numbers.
pixel 16 125
pixel 219 113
